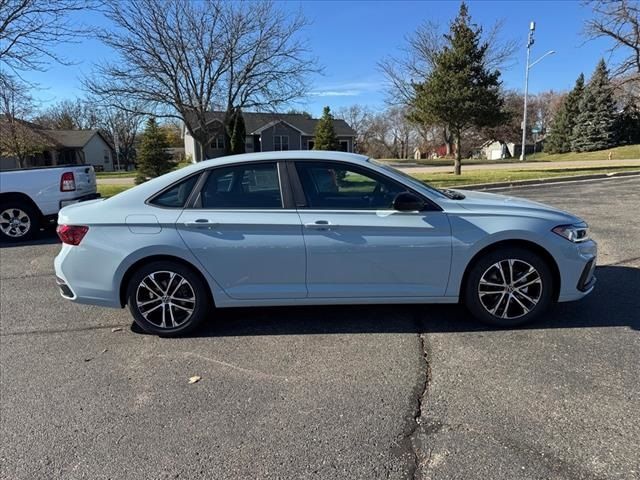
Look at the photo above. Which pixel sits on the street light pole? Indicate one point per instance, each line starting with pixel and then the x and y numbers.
pixel 530 41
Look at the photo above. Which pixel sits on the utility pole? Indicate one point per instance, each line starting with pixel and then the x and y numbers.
pixel 530 41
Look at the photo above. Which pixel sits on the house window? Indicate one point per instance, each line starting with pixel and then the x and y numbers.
pixel 280 143
pixel 310 144
pixel 344 145
pixel 218 143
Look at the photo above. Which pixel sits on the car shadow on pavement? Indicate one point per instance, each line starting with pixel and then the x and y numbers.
pixel 615 302
pixel 46 236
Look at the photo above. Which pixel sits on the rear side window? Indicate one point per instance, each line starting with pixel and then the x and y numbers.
pixel 176 196
pixel 242 186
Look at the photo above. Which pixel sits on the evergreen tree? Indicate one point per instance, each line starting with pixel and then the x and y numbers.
pixel 325 135
pixel 595 127
pixel 559 139
pixel 153 159
pixel 235 132
pixel 628 126
pixel 460 91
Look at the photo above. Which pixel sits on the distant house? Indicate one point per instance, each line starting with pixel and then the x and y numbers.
pixel 59 147
pixel 267 132
pixel 498 150
pixel 433 151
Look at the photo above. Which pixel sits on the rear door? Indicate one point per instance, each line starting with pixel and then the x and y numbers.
pixel 246 233
pixel 358 246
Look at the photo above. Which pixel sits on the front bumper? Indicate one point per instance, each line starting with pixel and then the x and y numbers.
pixel 84 198
pixel 577 265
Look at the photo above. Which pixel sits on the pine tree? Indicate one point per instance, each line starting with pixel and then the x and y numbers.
pixel 325 135
pixel 559 139
pixel 235 132
pixel 153 159
pixel 595 127
pixel 460 91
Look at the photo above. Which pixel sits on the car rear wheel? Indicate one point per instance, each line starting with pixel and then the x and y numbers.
pixel 508 287
pixel 167 298
pixel 18 221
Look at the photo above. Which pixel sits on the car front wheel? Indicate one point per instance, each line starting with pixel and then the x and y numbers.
pixel 508 287
pixel 167 298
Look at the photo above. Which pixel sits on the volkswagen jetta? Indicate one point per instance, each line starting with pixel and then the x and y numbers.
pixel 316 228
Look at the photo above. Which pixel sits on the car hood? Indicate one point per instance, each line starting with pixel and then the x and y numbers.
pixel 482 202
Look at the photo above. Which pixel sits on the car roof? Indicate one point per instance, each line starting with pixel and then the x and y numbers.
pixel 286 155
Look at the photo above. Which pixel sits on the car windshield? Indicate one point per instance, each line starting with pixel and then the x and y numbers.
pixel 414 181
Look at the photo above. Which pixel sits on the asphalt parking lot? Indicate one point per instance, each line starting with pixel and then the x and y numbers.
pixel 341 392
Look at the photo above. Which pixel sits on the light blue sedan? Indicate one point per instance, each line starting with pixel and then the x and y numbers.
pixel 316 228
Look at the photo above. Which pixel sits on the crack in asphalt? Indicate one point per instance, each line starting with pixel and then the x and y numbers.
pixel 410 442
pixel 35 275
pixel 63 330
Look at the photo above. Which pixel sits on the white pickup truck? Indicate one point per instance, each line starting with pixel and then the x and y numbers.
pixel 30 198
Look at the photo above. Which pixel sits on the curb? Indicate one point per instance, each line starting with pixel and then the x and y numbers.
pixel 525 183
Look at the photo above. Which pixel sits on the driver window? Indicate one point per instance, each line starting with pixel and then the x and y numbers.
pixel 333 186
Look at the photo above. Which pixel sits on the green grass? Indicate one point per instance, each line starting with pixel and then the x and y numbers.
pixel 627 152
pixel 128 174
pixel 111 190
pixel 474 177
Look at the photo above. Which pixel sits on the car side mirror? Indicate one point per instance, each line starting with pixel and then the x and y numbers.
pixel 408 202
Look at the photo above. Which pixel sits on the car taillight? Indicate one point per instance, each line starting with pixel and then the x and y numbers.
pixel 72 234
pixel 67 182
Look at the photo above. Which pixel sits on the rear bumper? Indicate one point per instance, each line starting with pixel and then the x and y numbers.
pixel 84 198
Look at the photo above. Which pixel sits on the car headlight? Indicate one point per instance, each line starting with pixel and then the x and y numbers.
pixel 574 233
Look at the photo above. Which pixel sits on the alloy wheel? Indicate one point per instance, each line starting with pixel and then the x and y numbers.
pixel 14 222
pixel 510 288
pixel 165 299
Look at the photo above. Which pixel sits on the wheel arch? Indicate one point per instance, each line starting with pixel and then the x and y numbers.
pixel 126 278
pixel 526 244
pixel 21 197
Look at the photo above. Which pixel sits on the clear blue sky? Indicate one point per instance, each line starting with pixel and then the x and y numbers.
pixel 350 37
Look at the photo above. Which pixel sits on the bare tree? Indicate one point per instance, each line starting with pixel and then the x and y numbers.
pixel 618 21
pixel 181 59
pixel 19 139
pixel 75 114
pixel 268 63
pixel 30 28
pixel 121 126
pixel 359 119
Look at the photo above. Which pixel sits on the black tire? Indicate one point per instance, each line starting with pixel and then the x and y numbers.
pixel 10 209
pixel 480 300
pixel 151 321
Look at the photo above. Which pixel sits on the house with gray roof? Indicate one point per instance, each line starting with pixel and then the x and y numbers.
pixel 267 132
pixel 62 147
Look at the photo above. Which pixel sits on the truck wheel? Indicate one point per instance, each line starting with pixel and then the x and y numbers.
pixel 18 221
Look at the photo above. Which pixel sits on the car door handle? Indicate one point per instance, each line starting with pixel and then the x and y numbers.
pixel 320 225
pixel 200 223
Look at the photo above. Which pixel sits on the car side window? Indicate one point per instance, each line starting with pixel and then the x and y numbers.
pixel 177 195
pixel 242 186
pixel 332 186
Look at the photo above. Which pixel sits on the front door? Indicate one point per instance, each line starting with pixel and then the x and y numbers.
pixel 243 236
pixel 358 246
